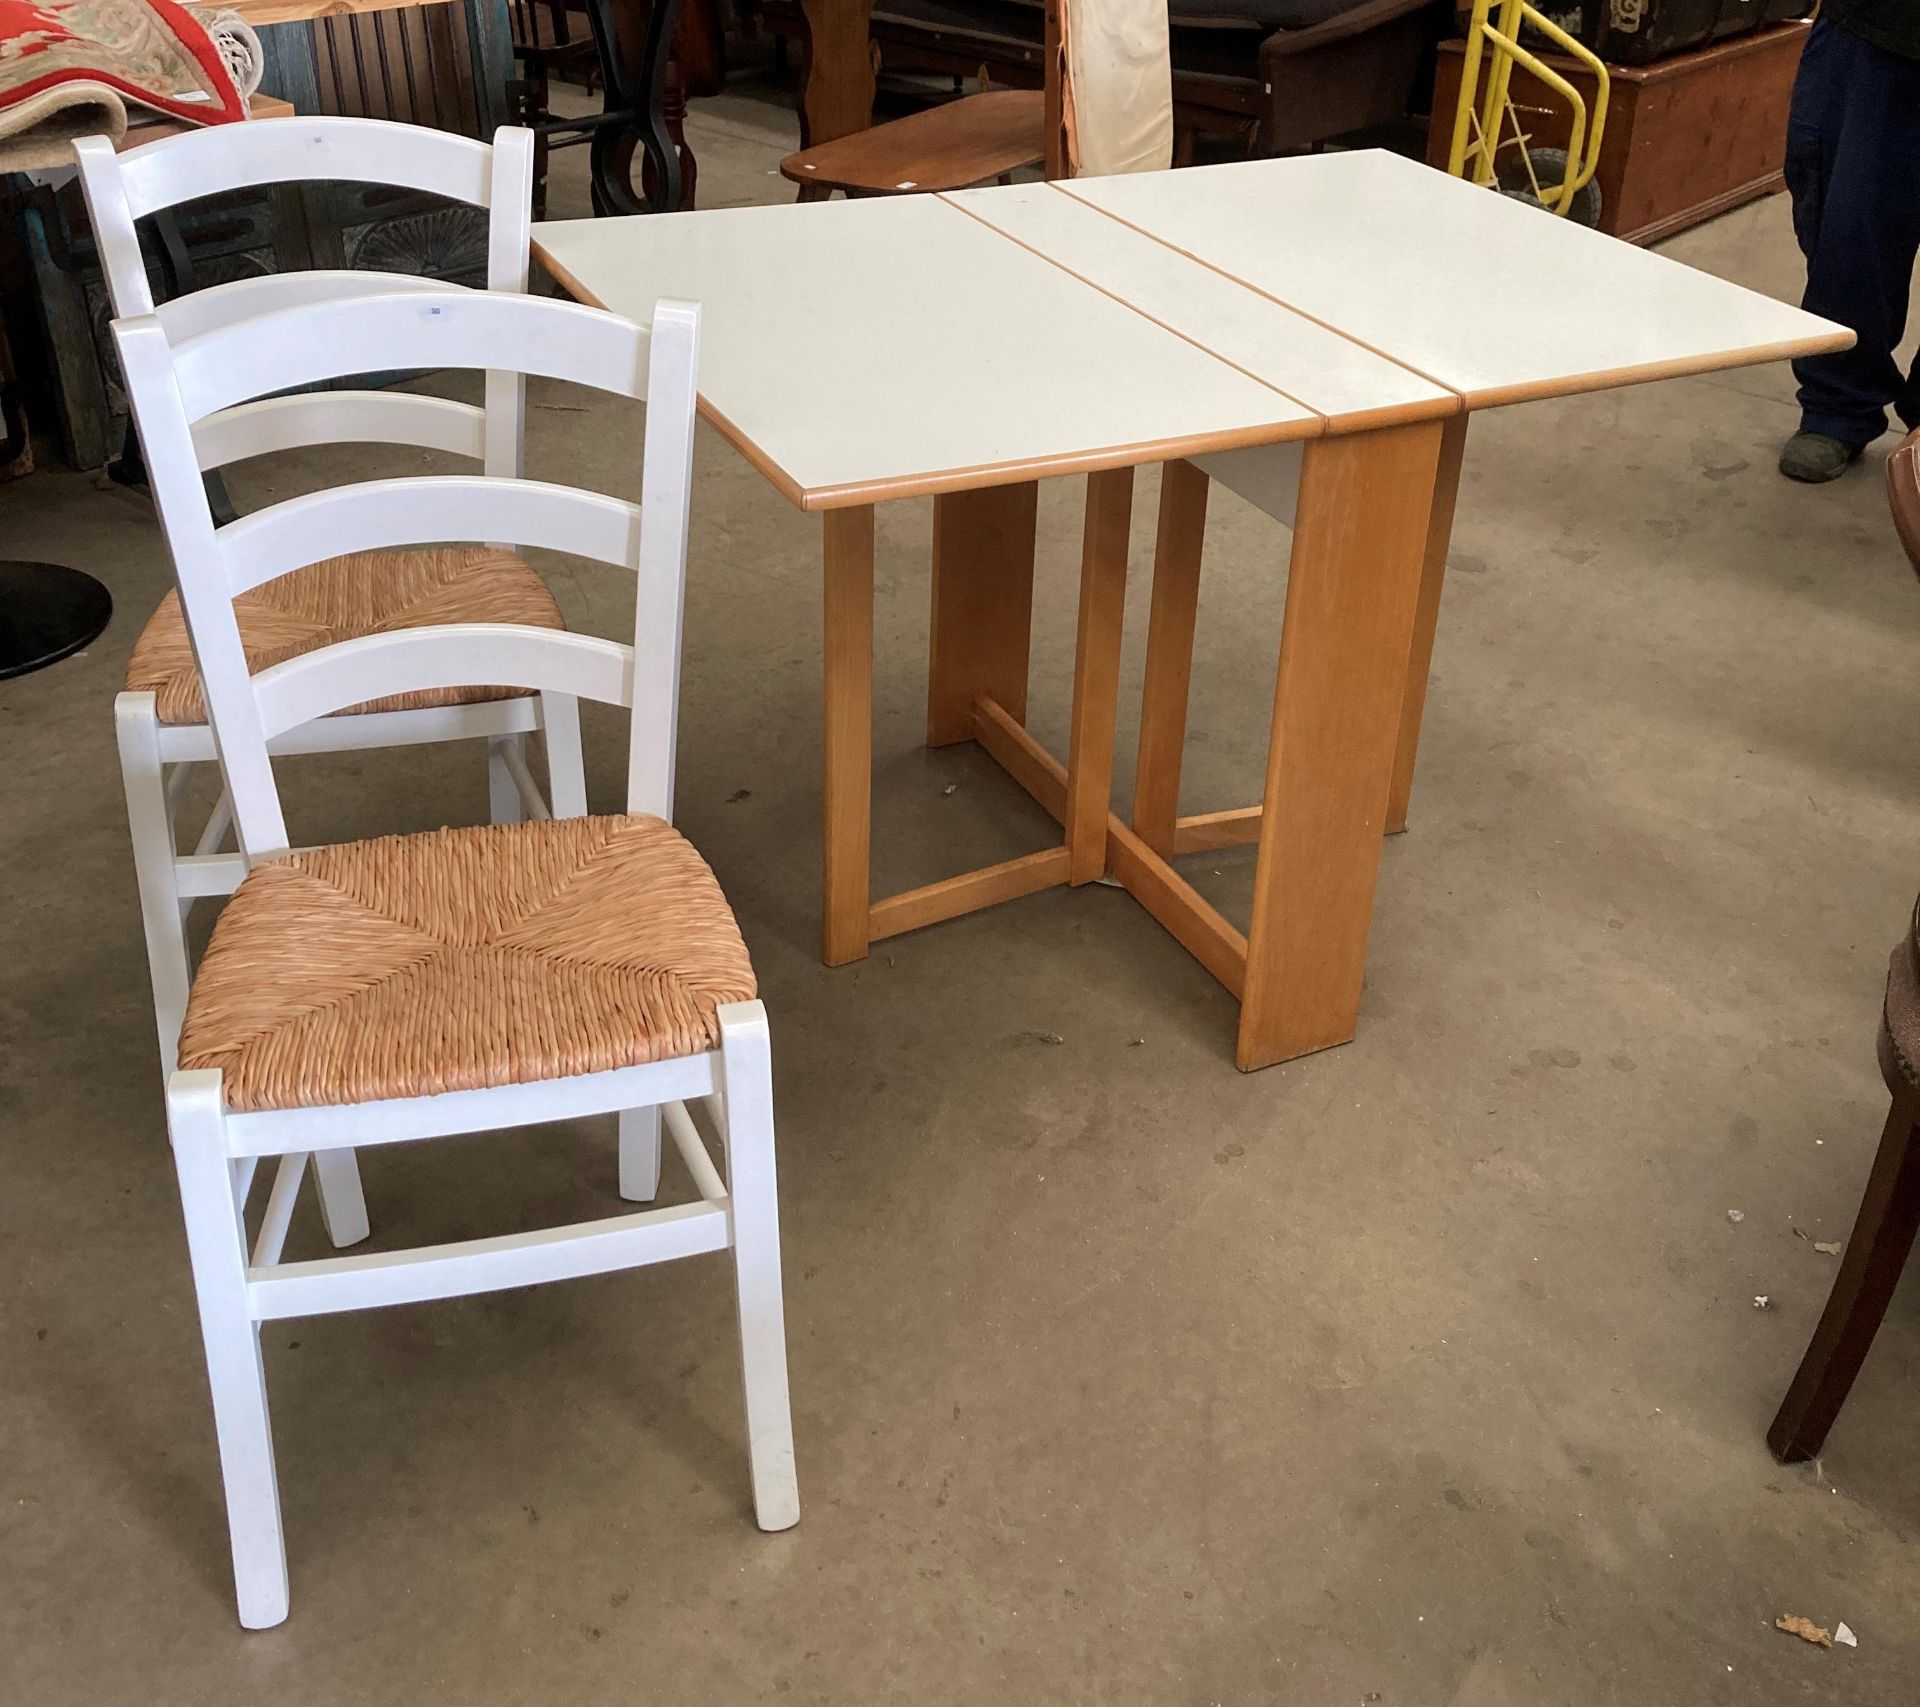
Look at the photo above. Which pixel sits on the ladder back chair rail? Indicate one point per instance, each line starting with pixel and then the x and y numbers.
pixel 121 190
pixel 177 387
pixel 156 756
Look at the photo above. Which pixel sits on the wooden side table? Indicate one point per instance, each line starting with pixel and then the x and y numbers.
pixel 1254 324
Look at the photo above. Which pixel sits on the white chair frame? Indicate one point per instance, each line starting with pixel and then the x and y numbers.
pixel 157 759
pixel 175 387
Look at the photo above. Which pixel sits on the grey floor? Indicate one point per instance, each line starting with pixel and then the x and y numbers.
pixel 1424 1371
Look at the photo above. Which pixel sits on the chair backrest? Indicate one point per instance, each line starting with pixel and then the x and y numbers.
pixel 1903 494
pixel 1109 88
pixel 122 189
pixel 173 386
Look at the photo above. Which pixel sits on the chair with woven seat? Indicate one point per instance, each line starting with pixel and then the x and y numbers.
pixel 1107 107
pixel 413 987
pixel 162 726
pixel 368 592
pixel 1889 1217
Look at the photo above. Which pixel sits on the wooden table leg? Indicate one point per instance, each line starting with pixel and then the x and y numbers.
pixel 982 628
pixel 1413 699
pixel 1169 669
pixel 847 748
pixel 1096 671
pixel 1353 587
pixel 836 75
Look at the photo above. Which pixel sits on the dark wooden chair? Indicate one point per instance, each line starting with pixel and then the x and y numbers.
pixel 545 47
pixel 1889 1217
pixel 976 139
pixel 1903 493
pixel 1107 107
pixel 629 51
pixel 1255 76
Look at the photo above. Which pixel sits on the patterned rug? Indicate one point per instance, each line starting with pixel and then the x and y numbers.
pixel 68 68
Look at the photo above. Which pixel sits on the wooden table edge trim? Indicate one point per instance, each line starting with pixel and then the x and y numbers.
pixel 261 12
pixel 775 476
pixel 1671 367
pixel 935 482
pixel 561 276
pixel 1396 414
pixel 1528 391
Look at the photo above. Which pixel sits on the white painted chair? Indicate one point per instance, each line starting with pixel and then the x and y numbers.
pixel 417 986
pixel 161 717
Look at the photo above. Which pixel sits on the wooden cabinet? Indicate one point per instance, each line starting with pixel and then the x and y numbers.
pixel 1686 137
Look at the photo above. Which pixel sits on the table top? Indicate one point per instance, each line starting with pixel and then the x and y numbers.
pixel 872 349
pixel 1473 289
pixel 860 350
pixel 1331 375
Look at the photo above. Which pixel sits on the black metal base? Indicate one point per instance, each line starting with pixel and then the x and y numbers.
pixel 47 612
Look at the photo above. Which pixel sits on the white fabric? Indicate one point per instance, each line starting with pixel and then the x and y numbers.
pixel 1118 88
pixel 240 48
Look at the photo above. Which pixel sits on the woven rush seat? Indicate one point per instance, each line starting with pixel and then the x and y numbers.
pixel 366 592
pixel 464 959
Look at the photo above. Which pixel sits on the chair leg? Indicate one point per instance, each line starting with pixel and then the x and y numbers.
pixel 163 912
pixel 566 763
pixel 218 826
pixel 216 1243
pixel 640 1154
pixel 747 1069
pixel 1883 1236
pixel 504 805
pixel 343 1204
pixel 542 157
pixel 150 820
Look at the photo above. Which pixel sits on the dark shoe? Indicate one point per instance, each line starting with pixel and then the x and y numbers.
pixel 1813 457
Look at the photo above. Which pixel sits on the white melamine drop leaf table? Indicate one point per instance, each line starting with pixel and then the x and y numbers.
pixel 1311 332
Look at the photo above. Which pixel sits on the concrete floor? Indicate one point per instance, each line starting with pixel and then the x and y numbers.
pixel 1424 1371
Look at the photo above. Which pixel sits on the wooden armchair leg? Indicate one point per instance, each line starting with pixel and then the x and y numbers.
pixel 1883 1234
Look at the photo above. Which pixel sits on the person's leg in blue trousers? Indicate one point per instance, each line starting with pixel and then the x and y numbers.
pixel 1853 167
